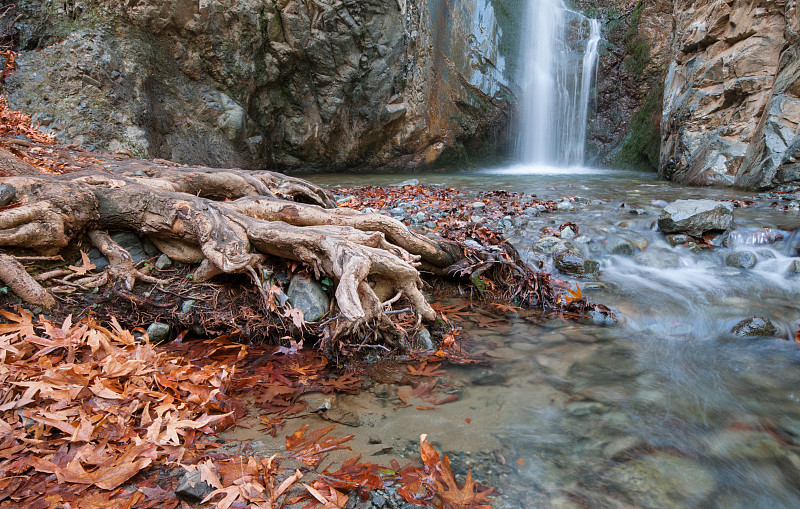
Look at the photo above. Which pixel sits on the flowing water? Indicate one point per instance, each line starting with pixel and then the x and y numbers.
pixel 666 408
pixel 560 60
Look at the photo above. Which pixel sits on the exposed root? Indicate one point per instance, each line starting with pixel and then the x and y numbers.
pixel 121 264
pixel 13 274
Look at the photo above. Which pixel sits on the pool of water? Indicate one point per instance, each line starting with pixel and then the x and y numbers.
pixel 667 408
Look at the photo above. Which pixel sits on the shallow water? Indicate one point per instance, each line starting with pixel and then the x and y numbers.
pixel 665 409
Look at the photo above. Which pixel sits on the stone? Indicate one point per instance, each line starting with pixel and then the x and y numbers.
pixel 695 217
pixel 751 445
pixel 158 332
pixel 308 295
pixel 99 261
pixel 397 211
pixel 424 341
pixel 7 194
pixel 679 239
pixel 575 265
pixel 150 249
pixel 478 205
pixel 663 480
pixel 409 182
pixel 755 326
pixel 565 206
pixel 131 243
pixel 186 306
pixel 794 267
pixel 741 259
pixel 192 488
pixel 584 408
pixel 620 246
pixel 551 244
pixel 164 262
pixel 567 233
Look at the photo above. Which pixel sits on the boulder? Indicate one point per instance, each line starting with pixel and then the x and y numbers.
pixel 131 243
pixel 308 295
pixel 575 265
pixel 755 326
pixel 551 244
pixel 741 259
pixel 695 217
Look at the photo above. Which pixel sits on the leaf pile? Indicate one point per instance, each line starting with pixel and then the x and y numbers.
pixel 92 417
pixel 16 123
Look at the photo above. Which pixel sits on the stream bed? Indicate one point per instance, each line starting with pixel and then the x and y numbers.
pixel 666 408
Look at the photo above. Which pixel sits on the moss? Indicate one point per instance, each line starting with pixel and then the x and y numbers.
pixel 510 16
pixel 636 46
pixel 642 146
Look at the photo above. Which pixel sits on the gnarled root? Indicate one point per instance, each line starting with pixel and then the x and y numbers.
pixel 13 274
pixel 121 264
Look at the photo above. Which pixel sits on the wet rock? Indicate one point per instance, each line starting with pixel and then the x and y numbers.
pixel 6 194
pixel 567 233
pixel 478 205
pixel 130 243
pixel 620 246
pixel 752 445
pixel 308 295
pixel 164 262
pixel 158 332
pixel 741 259
pixel 794 267
pixel 489 378
pixel 342 416
pixel 755 326
pixel 584 408
pixel 150 249
pixel 663 480
pixel 569 263
pixel 565 206
pixel 409 182
pixel 622 447
pixel 550 245
pixel 679 240
pixel 424 341
pixel 695 217
pixel 659 258
pixel 192 488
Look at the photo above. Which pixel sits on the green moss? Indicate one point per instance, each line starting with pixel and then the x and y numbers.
pixel 636 46
pixel 642 146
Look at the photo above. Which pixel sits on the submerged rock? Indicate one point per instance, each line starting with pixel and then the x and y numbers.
pixel 659 258
pixel 794 268
pixel 695 217
pixel 308 295
pixel 620 246
pixel 755 326
pixel 741 259
pixel 551 244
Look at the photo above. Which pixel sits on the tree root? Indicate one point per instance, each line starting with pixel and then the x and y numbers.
pixel 13 274
pixel 229 220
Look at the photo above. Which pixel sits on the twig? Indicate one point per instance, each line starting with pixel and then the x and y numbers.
pixel 56 258
pixel 404 310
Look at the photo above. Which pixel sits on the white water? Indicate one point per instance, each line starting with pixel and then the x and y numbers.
pixel 556 84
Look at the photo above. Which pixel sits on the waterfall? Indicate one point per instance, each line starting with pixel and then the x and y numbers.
pixel 559 65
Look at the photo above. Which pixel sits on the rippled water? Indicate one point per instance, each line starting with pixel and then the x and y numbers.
pixel 665 409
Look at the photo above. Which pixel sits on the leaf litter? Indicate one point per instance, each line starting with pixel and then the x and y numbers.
pixel 95 417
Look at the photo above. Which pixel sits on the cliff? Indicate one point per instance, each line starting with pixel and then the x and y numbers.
pixel 324 84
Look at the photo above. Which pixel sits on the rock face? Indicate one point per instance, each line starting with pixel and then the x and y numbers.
pixel 254 83
pixel 695 217
pixel 731 106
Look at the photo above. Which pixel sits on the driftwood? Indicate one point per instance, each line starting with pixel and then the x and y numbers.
pixel 226 220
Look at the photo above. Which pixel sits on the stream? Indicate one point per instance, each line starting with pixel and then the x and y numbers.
pixel 666 408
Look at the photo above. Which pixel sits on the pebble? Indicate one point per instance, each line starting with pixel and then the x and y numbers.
pixel 478 205
pixel 396 211
pixel 158 332
pixel 164 262
pixel 794 267
pixel 565 205
pixel 741 259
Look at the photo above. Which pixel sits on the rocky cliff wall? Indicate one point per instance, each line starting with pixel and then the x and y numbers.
pixel 325 84
pixel 731 106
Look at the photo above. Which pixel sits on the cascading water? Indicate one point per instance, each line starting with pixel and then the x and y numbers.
pixel 556 84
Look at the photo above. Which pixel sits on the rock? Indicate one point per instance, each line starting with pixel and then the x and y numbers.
pixel 131 243
pixel 551 244
pixel 164 262
pixel 659 258
pixel 584 408
pixel 489 378
pixel 751 445
pixel 565 206
pixel 622 447
pixel 420 217
pixel 409 182
pixel 794 267
pixel 424 341
pixel 567 233
pixel 308 296
pixel 695 217
pixel 150 249
pixel 192 488
pixel 741 259
pixel 186 306
pixel 663 480
pixel 158 332
pixel 755 326
pixel 573 264
pixel 7 194
pixel 99 261
pixel 478 205
pixel 679 239
pixel 342 416
pixel 397 211
pixel 620 246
